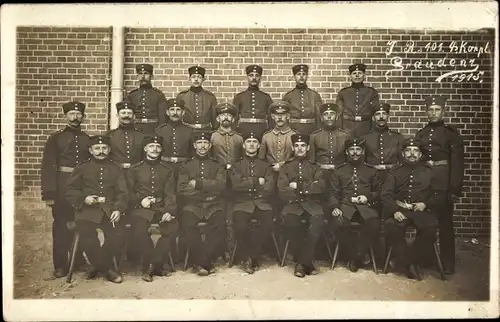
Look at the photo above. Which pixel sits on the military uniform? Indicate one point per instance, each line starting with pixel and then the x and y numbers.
pixel 405 185
pixel 356 103
pixel 64 150
pixel 150 103
pixel 106 180
pixel 305 105
pixel 251 202
pixel 443 150
pixel 252 107
pixel 199 105
pixel 302 204
pixel 351 180
pixel 202 203
pixel 152 178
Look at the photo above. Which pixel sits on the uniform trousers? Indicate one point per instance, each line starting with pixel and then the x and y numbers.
pixel 447 236
pixel 250 241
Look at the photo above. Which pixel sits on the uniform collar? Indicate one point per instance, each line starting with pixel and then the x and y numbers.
pixel 73 129
pixel 253 88
pixel 225 132
pixel 252 157
pixel 329 128
pixel 172 123
pixel 196 89
pixel 358 85
pixel 146 86
pixel 381 129
pixel 283 131
pixel 100 162
pixel 126 127
pixel 151 162
pixel 199 157
pixel 300 159
pixel 301 87
pixel 436 124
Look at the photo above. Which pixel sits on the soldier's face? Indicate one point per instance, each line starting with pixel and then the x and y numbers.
pixel 74 118
pixel 251 146
pixel 357 76
pixel 435 113
pixel 329 117
pixel 153 150
pixel 196 80
pixel 225 119
pixel 126 116
pixel 144 77
pixel 355 152
pixel 202 147
pixel 175 113
pixel 280 119
pixel 300 148
pixel 380 118
pixel 253 79
pixel 100 151
pixel 412 154
pixel 301 78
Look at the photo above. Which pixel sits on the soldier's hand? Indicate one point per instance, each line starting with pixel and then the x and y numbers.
pixel 399 217
pixel 115 216
pixel 146 202
pixel 49 203
pixel 362 199
pixel 336 212
pixel 454 198
pixel 262 181
pixel 354 200
pixel 192 183
pixel 90 200
pixel 276 167
pixel 293 185
pixel 228 166
pixel 419 206
pixel 327 166
pixel 166 217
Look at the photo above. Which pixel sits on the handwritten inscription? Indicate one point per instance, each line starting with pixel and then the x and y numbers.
pixel 464 69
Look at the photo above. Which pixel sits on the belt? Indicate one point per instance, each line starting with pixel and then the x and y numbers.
pixel 124 165
pixel 197 125
pixel 303 121
pixel 174 159
pixel 66 169
pixel 146 120
pixel 357 118
pixel 382 166
pixel 404 205
pixel 326 164
pixel 436 163
pixel 251 120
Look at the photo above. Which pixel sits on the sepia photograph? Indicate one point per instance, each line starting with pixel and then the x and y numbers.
pixel 216 161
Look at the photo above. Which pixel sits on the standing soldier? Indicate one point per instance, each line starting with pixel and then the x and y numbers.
pixel 305 102
pixel 64 150
pixel 352 199
pixel 199 103
pixel 201 182
pixel 97 190
pixel 356 103
pixel 300 184
pixel 153 199
pixel 443 150
pixel 148 100
pixel 252 105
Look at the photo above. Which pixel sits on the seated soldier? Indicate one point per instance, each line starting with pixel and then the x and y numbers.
pixel 252 182
pixel 352 198
pixel 408 199
pixel 200 184
pixel 153 200
pixel 300 184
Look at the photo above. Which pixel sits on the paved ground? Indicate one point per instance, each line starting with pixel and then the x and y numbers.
pixel 33 264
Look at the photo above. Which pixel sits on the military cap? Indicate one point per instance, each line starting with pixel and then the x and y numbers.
pixel 250 135
pixel 196 70
pixel 125 105
pixel 412 142
pixel 382 107
pixel 99 139
pixel 171 102
pixel 300 138
pixel 201 135
pixel 144 68
pixel 225 108
pixel 354 142
pixel 73 106
pixel 254 69
pixel 300 68
pixel 435 100
pixel 152 139
pixel 354 67
pixel 280 107
pixel 328 107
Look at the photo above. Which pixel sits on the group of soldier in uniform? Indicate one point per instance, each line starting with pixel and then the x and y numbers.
pixel 190 164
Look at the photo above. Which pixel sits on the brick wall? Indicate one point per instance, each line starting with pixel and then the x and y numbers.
pixel 225 52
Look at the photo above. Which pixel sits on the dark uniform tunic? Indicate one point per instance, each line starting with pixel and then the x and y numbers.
pixel 356 104
pixel 102 178
pixel 443 150
pixel 276 145
pixel 151 105
pixel 63 151
pixel 126 146
pixel 304 115
pixel 327 146
pixel 252 111
pixel 177 144
pixel 199 105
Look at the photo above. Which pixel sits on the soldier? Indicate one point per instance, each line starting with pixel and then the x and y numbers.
pixel 305 102
pixel 409 199
pixel 153 199
pixel 253 104
pixel 201 182
pixel 356 103
pixel 352 199
pixel 443 150
pixel 149 101
pixel 199 103
pixel 64 150
pixel 300 184
pixel 97 190
pixel 252 182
